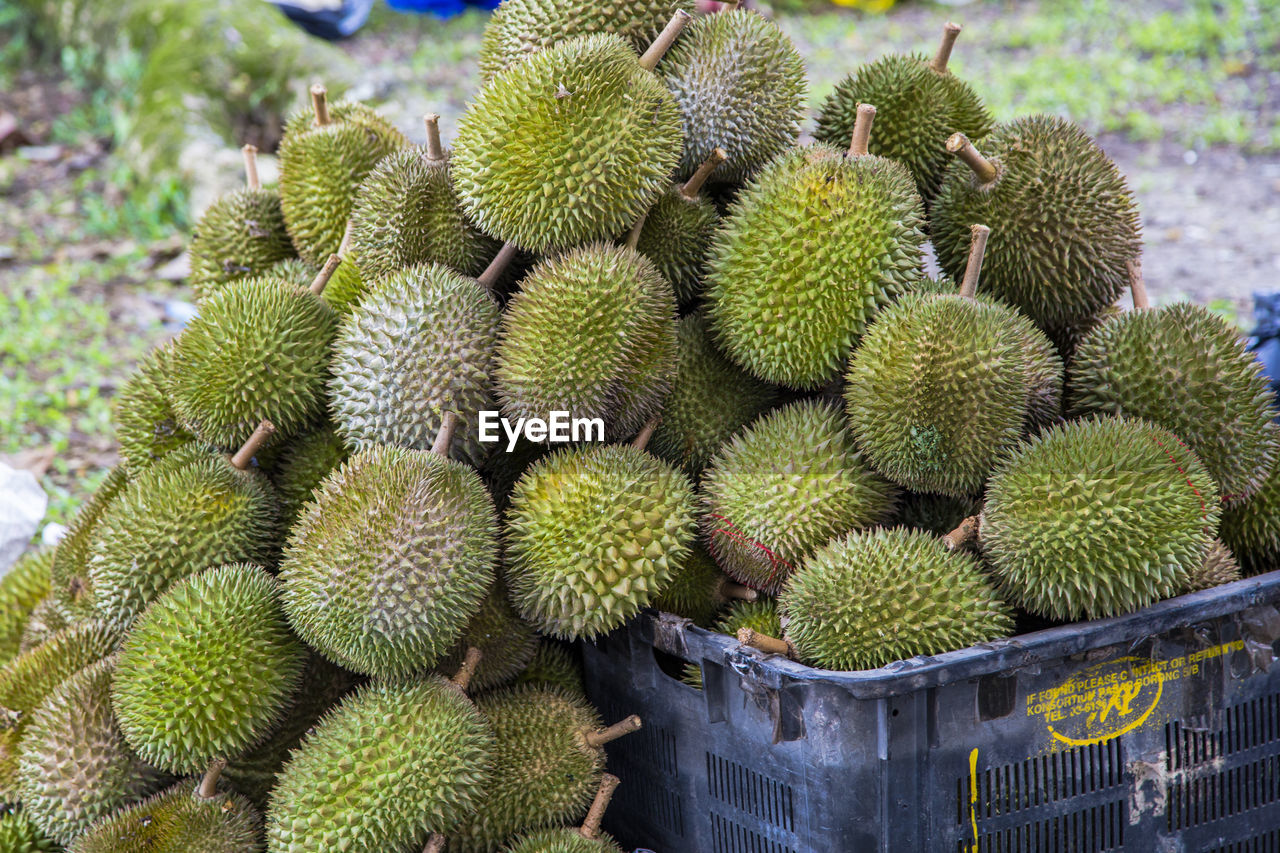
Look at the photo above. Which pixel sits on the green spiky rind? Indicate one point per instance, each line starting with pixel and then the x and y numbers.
pixel 386 566
pixel 569 146
pixel 711 400
pixel 74 767
pixel 1185 368
pixel 1219 567
pixel 178 820
pixel 937 392
pixel 760 616
pixel 592 332
pixel 544 772
pixel 406 214
pixel 26 680
pixel 50 615
pixel 1251 528
pixel 302 467
pixel 22 588
pixel 694 590
pixel 207 670
pixel 1064 224
pixel 147 427
pixel 391 764
pixel 19 835
pixel 191 512
pixel 321 169
pixel 420 343
pixel 970 114
pixel 10 737
pixel 293 270
pixel 936 514
pixel 555 667
pixel 503 469
pixel 519 28
pixel 813 247
pixel 676 236
pixel 259 348
pixel 506 642
pixel 347 286
pixel 69 572
pixel 740 84
pixel 241 234
pixel 874 597
pixel 563 841
pixel 1098 517
pixel 788 483
pixel 1068 337
pixel 593 535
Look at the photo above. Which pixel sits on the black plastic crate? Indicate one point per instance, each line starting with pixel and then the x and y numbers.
pixel 1155 732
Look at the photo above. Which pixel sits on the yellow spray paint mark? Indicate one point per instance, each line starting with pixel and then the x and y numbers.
pixel 973 796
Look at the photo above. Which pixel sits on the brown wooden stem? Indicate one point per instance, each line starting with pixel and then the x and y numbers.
pixel 977 248
pixel 633 236
pixel 321 281
pixel 209 782
pixel 665 39
pixel 861 141
pixel 435 151
pixel 489 278
pixel 693 186
pixel 732 589
pixel 1137 286
pixel 251 179
pixel 435 843
pixel 347 235
pixel 949 33
pixel 467 669
pixel 320 103
pixel 595 740
pixel 959 145
pixel 245 454
pixel 641 441
pixel 444 437
pixel 964 533
pixel 765 643
pixel 590 828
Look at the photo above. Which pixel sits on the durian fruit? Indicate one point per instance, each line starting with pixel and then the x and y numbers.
pixel 761 616
pixel 676 232
pixel 324 155
pixel 293 270
pixel 1067 338
pixel 923 103
pixel 48 617
pixel 506 642
pixel 74 767
pixel 26 680
pixel 555 667
pixel 873 597
pixel 1187 369
pixel 740 84
pixel 147 427
pixel 787 484
pixel 406 214
pixel 241 234
pixel 69 572
pixel 302 467
pixel 698 590
pixel 506 465
pixel 1219 567
pixel 394 762
pixel 420 343
pixel 1064 223
pixel 1251 528
pixel 19 835
pixel 208 670
pixel 936 514
pixel 22 587
pixel 593 534
pixel 585 839
pixel 1097 517
pixel 816 244
pixel 569 146
pixel 384 569
pixel 592 332
pixel 711 400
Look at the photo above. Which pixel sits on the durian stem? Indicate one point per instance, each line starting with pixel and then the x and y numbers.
pixel 209 783
pixel 435 151
pixel 693 186
pixel 590 828
pixel 736 591
pixel 765 643
pixel 633 236
pixel 949 33
pixel 435 844
pixel 859 144
pixel 320 103
pixel 244 455
pixel 665 39
pixel 977 248
pixel 595 740
pixel 730 5
pixel 489 278
pixel 321 281
pixel 959 145
pixel 251 180
pixel 462 678
pixel 444 438
pixel 641 441
pixel 964 533
pixel 1137 286
pixel 347 232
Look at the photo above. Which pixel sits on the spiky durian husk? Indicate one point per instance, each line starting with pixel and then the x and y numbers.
pixel 19 835
pixel 787 484
pixel 544 771
pixel 740 85
pixel 810 251
pixel 147 427
pixel 563 841
pixel 874 597
pixel 1068 337
pixel 10 736
pixel 1098 517
pixel 22 588
pixel 571 145
pixel 74 767
pixel 347 286
pixel 406 213
pixel 321 169
pixel 27 679
pixel 592 332
pixel 520 28
pixel 711 400
pixel 694 591
pixel 502 469
pixel 386 566
pixel 936 514
pixel 293 270
pixel 1063 223
pixel 47 618
pixel 420 343
pixel 917 109
pixel 241 234
pixel 554 666
pixel 191 512
pixel 937 392
pixel 506 642
pixel 207 670
pixel 593 534
pixel 178 820
pixel 1186 369
pixel 391 764
pixel 760 616
pixel 1251 528
pixel 259 348
pixel 1219 567
pixel 69 573
pixel 676 236
pixel 302 467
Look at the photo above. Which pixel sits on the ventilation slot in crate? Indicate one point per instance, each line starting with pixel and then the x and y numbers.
pixel 769 800
pixel 1244 727
pixel 1267 842
pixel 731 837
pixel 1215 796
pixel 659 806
pixel 1042 780
pixel 1091 830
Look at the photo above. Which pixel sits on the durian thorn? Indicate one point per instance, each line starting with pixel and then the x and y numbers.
pixel 489 278
pixel 444 436
pixel 959 145
pixel 347 235
pixel 732 589
pixel 320 103
pixel 467 670
pixel 859 144
pixel 693 186
pixel 435 151
pixel 665 39
pixel 633 236
pixel 435 844
pixel 949 33
pixel 765 643
pixel 595 740
pixel 245 454
pixel 321 281
pixel 964 533
pixel 972 269
pixel 590 828
pixel 209 782
pixel 251 180
pixel 1137 286
pixel 641 441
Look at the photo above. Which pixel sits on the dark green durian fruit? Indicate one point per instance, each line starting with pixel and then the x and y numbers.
pixel 698 590
pixel 936 514
pixel 302 467
pixel 178 820
pixel 1098 517
pixel 19 835
pixel 22 588
pixel 506 642
pixel 347 286
pixel 1251 528
pixel 1067 338
pixel 760 616
pixel 562 841
pixel 69 573
pixel 788 483
pixel 554 666
pixel 147 427
pixel 26 680
pixel 677 231
pixel 503 468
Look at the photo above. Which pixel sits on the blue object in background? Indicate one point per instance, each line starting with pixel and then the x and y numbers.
pixel 336 23
pixel 440 8
pixel 1264 343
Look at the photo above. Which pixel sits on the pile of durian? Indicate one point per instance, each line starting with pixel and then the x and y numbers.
pixel 312 611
